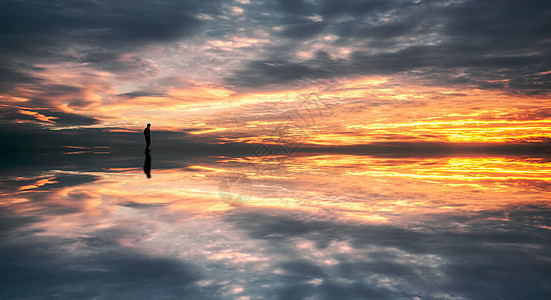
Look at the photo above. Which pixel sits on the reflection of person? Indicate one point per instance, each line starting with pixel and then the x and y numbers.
pixel 147 164
pixel 147 134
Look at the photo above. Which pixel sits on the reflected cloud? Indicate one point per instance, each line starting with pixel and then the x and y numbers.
pixel 386 189
pixel 323 258
pixel 319 226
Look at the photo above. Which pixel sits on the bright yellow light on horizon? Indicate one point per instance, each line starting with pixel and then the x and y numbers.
pixel 363 110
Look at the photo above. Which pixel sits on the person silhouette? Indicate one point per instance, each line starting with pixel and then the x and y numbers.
pixel 147 164
pixel 147 134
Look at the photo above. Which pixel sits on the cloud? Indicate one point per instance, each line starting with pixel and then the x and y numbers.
pixel 91 62
pixel 463 42
pixel 31 25
pixel 388 261
pixel 302 28
pixel 270 251
pixel 92 32
pixel 12 74
pixel 103 269
pixel 141 93
pixel 46 116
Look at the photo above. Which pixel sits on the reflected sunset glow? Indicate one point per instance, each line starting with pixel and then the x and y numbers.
pixel 374 189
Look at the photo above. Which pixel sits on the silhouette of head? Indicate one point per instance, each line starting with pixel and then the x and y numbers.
pixel 148 125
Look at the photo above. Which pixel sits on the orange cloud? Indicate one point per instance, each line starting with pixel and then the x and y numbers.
pixel 345 112
pixel 38 183
pixel 38 116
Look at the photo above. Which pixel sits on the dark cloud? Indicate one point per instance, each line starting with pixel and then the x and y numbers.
pixel 301 29
pixel 483 41
pixel 94 32
pixel 56 117
pixel 137 94
pixel 36 267
pixel 132 204
pixel 283 71
pixel 496 251
pixel 33 26
pixel 64 119
pixel 332 8
pixel 12 74
pixel 355 30
pixel 11 222
pixel 299 7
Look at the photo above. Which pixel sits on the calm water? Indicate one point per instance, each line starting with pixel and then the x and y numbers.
pixel 93 226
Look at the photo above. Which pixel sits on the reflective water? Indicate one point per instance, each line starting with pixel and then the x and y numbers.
pixel 308 226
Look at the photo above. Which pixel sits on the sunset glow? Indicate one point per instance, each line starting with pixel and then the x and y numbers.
pixel 282 149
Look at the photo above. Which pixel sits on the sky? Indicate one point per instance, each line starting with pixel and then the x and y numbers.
pixel 316 149
pixel 333 73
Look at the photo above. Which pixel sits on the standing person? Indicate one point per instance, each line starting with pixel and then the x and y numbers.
pixel 147 134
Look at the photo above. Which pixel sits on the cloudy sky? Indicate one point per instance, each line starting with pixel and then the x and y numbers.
pixel 361 72
pixel 382 99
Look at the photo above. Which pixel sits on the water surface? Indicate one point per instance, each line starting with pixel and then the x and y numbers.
pixel 93 225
